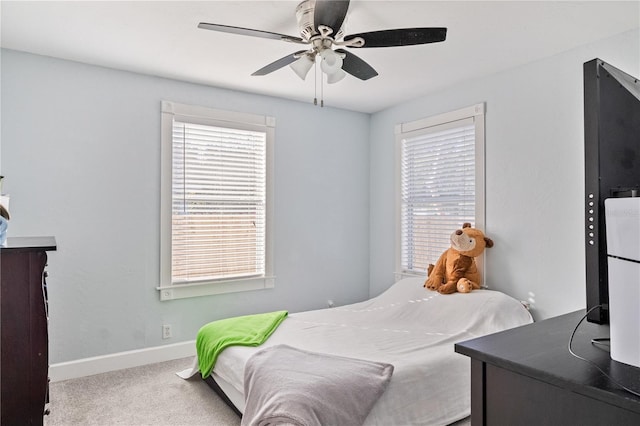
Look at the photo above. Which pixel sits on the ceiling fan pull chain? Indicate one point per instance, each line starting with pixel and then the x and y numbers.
pixel 321 91
pixel 315 83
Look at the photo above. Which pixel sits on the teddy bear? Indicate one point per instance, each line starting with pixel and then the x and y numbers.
pixel 456 268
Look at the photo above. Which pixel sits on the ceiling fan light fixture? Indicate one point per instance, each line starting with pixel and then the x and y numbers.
pixel 331 61
pixel 336 76
pixel 302 66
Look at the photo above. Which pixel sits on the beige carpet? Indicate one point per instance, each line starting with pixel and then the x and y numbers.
pixel 147 395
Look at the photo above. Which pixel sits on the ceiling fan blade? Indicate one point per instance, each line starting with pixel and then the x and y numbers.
pixel 250 32
pixel 401 37
pixel 356 66
pixel 330 13
pixel 282 62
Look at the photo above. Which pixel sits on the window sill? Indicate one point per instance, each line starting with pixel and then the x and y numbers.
pixel 183 291
pixel 407 274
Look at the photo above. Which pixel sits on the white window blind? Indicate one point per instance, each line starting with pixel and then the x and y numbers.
pixel 216 209
pixel 439 181
pixel 218 203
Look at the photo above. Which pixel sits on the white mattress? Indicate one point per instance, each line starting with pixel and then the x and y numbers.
pixel 407 326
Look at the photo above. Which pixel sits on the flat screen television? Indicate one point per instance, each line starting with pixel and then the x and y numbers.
pixel 612 165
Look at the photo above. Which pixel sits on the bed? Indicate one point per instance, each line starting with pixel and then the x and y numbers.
pixel 407 326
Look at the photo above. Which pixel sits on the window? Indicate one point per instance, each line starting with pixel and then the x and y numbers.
pixel 440 175
pixel 215 201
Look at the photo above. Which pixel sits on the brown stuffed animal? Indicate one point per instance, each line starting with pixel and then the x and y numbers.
pixel 456 269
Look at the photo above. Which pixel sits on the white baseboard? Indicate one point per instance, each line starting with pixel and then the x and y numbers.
pixel 118 361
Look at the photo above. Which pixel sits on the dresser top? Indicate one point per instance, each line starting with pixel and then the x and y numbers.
pixel 540 350
pixel 30 243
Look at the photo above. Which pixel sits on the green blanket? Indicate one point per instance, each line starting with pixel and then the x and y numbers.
pixel 248 330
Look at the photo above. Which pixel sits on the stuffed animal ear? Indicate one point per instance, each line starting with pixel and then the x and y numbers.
pixel 466 225
pixel 488 242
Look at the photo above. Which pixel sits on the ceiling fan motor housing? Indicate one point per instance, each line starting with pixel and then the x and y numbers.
pixel 304 14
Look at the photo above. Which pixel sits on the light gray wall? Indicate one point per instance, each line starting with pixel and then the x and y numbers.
pixel 80 150
pixel 81 157
pixel 534 174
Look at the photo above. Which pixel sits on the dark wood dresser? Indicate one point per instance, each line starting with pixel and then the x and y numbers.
pixel 24 342
pixel 526 376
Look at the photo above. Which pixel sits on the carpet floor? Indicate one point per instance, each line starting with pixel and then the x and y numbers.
pixel 146 395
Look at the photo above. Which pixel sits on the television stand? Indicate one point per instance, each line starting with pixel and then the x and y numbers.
pixel 526 376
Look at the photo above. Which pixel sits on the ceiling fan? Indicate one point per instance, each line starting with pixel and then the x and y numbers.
pixel 320 23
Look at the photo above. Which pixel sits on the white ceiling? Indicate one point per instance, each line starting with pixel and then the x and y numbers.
pixel 162 38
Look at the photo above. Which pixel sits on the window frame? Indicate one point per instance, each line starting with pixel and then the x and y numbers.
pixel 171 111
pixel 425 125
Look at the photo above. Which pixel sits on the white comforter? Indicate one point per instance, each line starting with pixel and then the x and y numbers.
pixel 407 326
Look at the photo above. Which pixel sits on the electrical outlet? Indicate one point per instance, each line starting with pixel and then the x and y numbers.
pixel 166 331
